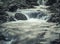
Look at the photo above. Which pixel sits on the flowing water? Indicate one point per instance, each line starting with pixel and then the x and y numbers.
pixel 35 30
pixel 42 2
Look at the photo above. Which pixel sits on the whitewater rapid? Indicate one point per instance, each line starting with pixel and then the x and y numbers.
pixel 35 30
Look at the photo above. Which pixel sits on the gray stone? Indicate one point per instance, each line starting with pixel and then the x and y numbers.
pixel 20 16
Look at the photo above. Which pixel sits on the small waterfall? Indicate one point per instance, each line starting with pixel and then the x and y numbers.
pixel 37 15
pixel 43 2
pixel 29 14
pixel 43 16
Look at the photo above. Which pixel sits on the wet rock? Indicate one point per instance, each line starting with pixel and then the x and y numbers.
pixel 11 18
pixel 20 16
pixel 57 41
pixel 12 39
pixel 8 38
pixel 35 3
pixel 51 2
pixel 55 18
pixel 13 8
pixel 32 2
pixel 3 16
pixel 55 8
pixel 2 37
pixel 31 6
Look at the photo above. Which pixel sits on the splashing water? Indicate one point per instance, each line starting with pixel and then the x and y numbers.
pixel 34 30
pixel 30 14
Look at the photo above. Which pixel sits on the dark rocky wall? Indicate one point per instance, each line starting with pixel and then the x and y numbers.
pixel 32 2
pixel 55 8
pixel 51 2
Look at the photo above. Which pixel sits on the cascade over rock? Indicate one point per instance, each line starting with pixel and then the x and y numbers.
pixel 34 14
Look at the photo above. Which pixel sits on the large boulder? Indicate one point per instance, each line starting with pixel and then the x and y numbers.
pixel 20 16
